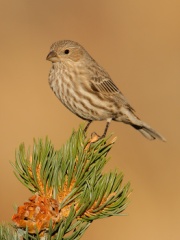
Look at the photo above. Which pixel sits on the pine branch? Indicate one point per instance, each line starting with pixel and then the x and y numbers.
pixel 7 232
pixel 69 188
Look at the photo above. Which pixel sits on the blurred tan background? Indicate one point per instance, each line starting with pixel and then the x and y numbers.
pixel 138 43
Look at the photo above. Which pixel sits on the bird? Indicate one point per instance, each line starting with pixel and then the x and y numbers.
pixel 87 90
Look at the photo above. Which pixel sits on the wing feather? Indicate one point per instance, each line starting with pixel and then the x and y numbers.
pixel 102 83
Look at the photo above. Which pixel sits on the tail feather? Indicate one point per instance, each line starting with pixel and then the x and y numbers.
pixel 148 132
pixel 129 117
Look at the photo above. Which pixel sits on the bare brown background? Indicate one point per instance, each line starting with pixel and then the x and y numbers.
pixel 138 43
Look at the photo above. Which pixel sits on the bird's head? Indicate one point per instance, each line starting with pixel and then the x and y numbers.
pixel 65 50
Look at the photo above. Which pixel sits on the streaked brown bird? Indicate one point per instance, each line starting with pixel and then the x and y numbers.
pixel 87 90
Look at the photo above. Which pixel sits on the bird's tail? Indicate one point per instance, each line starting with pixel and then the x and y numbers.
pixel 130 118
pixel 148 132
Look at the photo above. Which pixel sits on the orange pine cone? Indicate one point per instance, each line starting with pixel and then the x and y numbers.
pixel 37 213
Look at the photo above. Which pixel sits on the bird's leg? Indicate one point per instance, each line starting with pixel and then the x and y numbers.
pixel 89 122
pixel 94 135
pixel 105 130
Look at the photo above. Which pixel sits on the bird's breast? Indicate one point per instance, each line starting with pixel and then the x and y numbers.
pixel 61 84
pixel 67 88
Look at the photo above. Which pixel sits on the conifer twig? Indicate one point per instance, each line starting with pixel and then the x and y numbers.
pixel 69 189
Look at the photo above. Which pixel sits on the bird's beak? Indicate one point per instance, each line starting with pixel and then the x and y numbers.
pixel 52 56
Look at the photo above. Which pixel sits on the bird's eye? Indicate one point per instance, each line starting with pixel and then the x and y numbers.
pixel 66 51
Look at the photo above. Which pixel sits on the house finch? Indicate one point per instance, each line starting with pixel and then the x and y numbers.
pixel 87 90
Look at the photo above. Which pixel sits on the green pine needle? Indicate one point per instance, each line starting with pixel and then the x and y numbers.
pixel 73 177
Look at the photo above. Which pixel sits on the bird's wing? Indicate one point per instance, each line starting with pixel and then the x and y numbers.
pixel 102 83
